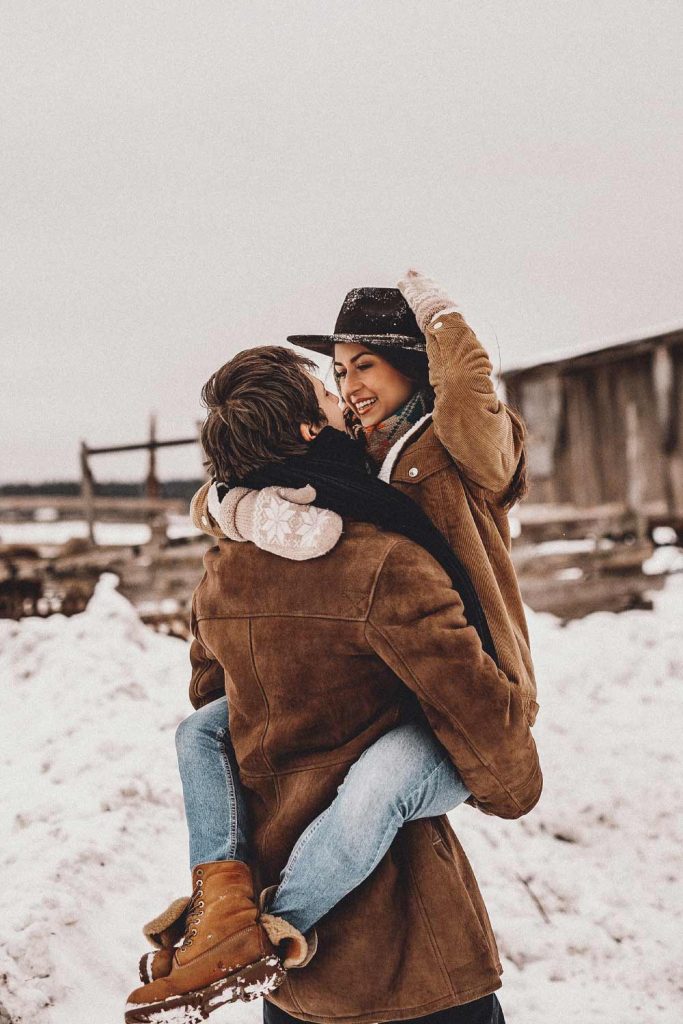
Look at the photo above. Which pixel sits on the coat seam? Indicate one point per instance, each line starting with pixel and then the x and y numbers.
pixel 310 615
pixel 373 587
pixel 263 738
pixel 435 702
pixel 282 615
pixel 198 679
pixel 290 989
pixel 211 661
pixel 432 938
pixel 294 771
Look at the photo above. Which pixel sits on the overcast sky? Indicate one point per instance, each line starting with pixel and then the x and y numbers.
pixel 183 180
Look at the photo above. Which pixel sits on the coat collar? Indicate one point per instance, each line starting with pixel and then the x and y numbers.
pixel 395 451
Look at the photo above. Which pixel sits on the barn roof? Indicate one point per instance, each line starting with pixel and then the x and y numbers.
pixel 593 350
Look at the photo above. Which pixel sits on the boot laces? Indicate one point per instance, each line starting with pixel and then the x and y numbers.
pixel 195 909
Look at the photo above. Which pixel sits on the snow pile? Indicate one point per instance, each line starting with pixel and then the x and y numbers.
pixel 91 805
pixel 581 892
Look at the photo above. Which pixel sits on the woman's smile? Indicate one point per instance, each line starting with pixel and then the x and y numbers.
pixel 363 405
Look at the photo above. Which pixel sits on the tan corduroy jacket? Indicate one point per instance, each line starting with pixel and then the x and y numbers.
pixel 457 465
pixel 319 659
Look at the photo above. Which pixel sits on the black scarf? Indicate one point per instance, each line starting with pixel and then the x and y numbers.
pixel 335 465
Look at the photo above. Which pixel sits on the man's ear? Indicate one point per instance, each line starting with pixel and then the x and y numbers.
pixel 308 431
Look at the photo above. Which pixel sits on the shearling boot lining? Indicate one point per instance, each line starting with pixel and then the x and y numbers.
pixel 168 927
pixel 297 951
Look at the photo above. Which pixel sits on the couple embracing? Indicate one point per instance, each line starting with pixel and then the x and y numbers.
pixel 360 667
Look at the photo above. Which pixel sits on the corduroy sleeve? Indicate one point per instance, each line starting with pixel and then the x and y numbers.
pixel 482 435
pixel 207 682
pixel 417 626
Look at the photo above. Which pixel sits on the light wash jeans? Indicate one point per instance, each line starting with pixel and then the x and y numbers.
pixel 404 775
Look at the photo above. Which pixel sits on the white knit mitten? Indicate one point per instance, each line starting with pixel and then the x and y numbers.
pixel 424 296
pixel 281 520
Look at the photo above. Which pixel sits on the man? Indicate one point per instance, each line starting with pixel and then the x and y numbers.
pixel 319 659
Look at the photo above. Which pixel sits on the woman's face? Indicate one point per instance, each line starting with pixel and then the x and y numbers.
pixel 370 386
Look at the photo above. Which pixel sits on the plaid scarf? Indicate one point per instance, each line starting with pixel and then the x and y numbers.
pixel 381 438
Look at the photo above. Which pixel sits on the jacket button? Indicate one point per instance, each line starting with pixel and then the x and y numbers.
pixel 413 471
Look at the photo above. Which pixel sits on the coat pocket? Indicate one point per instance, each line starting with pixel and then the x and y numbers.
pixel 450 896
pixel 434 832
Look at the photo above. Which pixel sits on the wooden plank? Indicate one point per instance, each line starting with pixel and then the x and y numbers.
pixel 101 503
pixel 619 558
pixel 573 599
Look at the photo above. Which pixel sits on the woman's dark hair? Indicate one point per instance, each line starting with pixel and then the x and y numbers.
pixel 256 404
pixel 519 485
pixel 415 366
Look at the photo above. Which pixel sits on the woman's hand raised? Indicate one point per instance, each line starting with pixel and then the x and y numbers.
pixel 424 296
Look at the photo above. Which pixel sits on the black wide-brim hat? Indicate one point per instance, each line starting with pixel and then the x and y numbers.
pixel 369 316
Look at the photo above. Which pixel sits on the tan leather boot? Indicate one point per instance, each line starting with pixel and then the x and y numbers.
pixel 225 955
pixel 166 930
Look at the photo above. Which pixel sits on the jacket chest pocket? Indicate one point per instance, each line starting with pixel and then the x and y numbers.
pixel 414 467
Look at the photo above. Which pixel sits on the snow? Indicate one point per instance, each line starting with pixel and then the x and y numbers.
pixel 581 892
pixel 664 560
pixel 664 535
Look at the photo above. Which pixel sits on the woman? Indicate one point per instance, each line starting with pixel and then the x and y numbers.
pixel 417 393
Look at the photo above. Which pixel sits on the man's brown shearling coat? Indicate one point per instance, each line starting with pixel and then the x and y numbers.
pixel 319 659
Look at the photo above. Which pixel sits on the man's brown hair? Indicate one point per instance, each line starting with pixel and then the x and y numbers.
pixel 256 404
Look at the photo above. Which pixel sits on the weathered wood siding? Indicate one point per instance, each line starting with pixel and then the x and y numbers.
pixel 579 413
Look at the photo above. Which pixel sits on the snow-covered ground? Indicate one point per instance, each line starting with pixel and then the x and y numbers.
pixel 582 892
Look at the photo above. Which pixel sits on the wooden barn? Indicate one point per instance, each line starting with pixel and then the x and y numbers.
pixel 605 433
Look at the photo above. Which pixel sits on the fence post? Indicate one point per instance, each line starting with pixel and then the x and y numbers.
pixel 87 492
pixel 152 485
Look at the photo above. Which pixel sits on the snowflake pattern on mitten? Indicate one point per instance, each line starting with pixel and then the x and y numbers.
pixel 292 530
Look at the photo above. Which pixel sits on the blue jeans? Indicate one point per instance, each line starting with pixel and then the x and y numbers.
pixel 406 774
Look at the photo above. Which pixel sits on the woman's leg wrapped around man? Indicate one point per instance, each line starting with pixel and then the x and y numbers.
pixel 404 775
pixel 215 806
pixel 228 951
